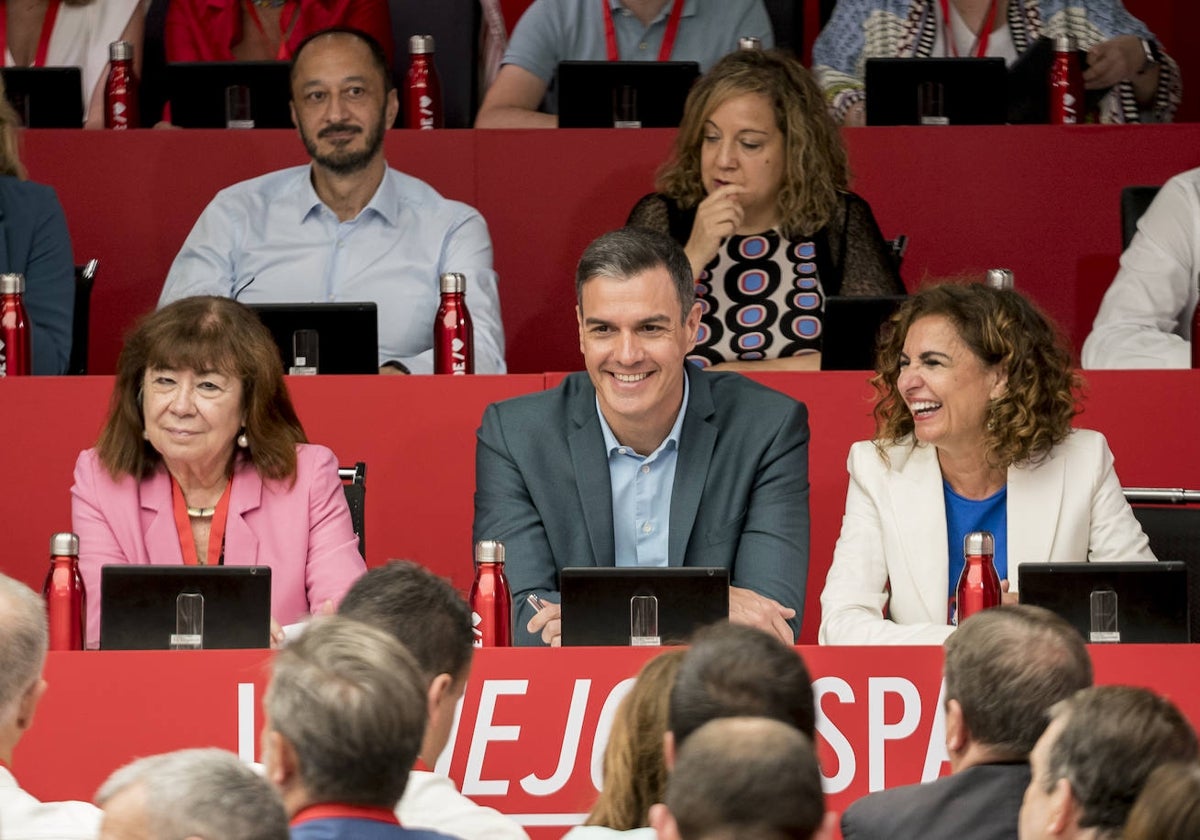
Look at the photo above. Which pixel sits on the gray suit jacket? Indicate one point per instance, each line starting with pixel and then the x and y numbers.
pixel 979 803
pixel 740 497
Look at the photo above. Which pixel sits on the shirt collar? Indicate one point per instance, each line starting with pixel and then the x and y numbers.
pixel 689 9
pixel 611 444
pixel 383 203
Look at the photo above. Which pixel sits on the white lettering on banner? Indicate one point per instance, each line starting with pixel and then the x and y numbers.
pixel 833 736
pixel 473 784
pixel 879 731
pixel 537 786
pixel 936 752
pixel 604 729
pixel 245 718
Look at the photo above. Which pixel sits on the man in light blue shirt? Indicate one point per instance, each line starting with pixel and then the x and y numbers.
pixel 346 227
pixel 645 460
pixel 551 31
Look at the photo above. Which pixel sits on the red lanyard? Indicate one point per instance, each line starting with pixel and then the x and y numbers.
pixel 989 23
pixel 668 41
pixel 287 22
pixel 216 533
pixel 39 59
pixel 333 810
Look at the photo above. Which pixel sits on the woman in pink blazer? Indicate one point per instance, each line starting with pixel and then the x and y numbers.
pixel 202 460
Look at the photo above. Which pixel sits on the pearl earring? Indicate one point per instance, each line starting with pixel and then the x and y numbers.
pixel 243 441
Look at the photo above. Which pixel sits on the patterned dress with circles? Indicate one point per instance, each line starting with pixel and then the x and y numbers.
pixel 760 298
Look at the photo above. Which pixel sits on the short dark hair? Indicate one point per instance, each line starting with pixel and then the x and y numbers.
pixel 731 670
pixel 626 252
pixel 1007 667
pixel 746 774
pixel 1113 738
pixel 350 700
pixel 424 611
pixel 203 333
pixel 378 55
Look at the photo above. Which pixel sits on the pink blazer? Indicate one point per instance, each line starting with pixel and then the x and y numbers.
pixel 302 531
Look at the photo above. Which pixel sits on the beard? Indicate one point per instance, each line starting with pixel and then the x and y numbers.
pixel 342 161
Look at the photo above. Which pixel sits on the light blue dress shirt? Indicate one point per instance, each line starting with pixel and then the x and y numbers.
pixel 551 31
pixel 641 493
pixel 272 240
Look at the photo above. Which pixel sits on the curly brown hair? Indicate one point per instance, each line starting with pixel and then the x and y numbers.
pixel 816 171
pixel 1001 328
pixel 203 333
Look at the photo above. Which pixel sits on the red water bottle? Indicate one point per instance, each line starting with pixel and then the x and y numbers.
pixel 1066 83
pixel 121 88
pixel 453 338
pixel 15 354
pixel 422 89
pixel 66 600
pixel 491 601
pixel 978 585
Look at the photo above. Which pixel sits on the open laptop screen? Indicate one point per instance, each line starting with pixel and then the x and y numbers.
pixel 198 93
pixel 936 91
pixel 1112 602
pixel 141 606
pixel 337 337
pixel 599 603
pixel 45 97
pixel 601 94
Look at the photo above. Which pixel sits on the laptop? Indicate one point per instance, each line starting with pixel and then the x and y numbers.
pixel 141 606
pixel 598 603
pixel 850 329
pixel 1029 84
pixel 968 91
pixel 1143 603
pixel 323 337
pixel 45 97
pixel 629 94
pixel 197 92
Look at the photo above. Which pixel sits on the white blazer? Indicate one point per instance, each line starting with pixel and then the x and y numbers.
pixel 892 551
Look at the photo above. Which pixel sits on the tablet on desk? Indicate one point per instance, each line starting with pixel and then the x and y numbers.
pixel 45 97
pixel 140 606
pixel 324 337
pixel 936 91
pixel 633 94
pixel 598 602
pixel 198 93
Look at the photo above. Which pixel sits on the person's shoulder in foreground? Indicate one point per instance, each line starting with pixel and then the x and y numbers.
pixel 1145 319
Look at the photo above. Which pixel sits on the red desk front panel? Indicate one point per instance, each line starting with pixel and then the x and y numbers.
pixel 529 739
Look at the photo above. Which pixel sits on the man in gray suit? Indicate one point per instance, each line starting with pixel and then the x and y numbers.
pixel 1005 668
pixel 646 460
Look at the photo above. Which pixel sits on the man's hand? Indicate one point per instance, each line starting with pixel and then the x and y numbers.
pixel 1007 597
pixel 548 622
pixel 748 607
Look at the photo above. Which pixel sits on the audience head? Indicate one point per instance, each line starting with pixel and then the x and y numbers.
pixel 427 615
pixel 1030 396
pixel 743 777
pixel 206 794
pixel 200 336
pixel 790 154
pixel 731 670
pixel 1168 808
pixel 342 100
pixel 1005 668
pixel 1094 758
pixel 635 771
pixel 23 642
pixel 10 158
pixel 345 716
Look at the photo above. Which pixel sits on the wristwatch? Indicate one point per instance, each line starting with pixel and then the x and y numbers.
pixel 1153 54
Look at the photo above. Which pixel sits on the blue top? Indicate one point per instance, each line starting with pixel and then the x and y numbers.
pixel 34 241
pixel 551 31
pixel 272 240
pixel 966 515
pixel 641 493
pixel 350 828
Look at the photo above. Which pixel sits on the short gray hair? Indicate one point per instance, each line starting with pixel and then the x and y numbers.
pixel 23 640
pixel 627 252
pixel 350 699
pixel 206 793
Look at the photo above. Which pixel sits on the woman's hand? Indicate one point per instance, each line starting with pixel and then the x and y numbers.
pixel 1114 61
pixel 717 218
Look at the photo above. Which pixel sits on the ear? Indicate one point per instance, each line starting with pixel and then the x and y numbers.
pixel 279 760
pixel 663 823
pixel 669 750
pixel 439 688
pixel 579 320
pixel 957 733
pixel 392 108
pixel 29 702
pixel 1063 813
pixel 292 110
pixel 1000 388
pixel 692 324
pixel 828 827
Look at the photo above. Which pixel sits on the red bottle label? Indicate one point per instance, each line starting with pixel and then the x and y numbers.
pixel 121 97
pixel 978 588
pixel 453 337
pixel 1066 90
pixel 66 604
pixel 491 607
pixel 15 353
pixel 422 95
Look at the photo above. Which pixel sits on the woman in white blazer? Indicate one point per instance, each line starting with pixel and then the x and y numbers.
pixel 976 394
